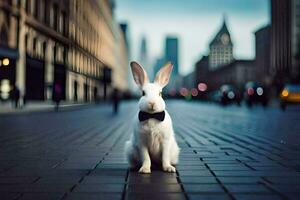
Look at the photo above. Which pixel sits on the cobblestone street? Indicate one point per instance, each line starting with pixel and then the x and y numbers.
pixel 226 153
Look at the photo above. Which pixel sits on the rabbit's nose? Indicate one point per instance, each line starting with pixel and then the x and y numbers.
pixel 151 104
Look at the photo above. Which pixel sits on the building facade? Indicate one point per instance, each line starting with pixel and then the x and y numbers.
pixel 201 71
pixel 280 41
pixel 144 57
pixel 237 73
pixel 221 49
pixel 262 54
pixel 171 53
pixel 73 50
pixel 295 41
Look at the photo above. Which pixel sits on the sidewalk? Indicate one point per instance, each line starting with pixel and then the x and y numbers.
pixel 34 106
pixel 227 153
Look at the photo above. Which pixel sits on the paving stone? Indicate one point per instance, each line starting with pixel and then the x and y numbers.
pixel 109 172
pixel 58 180
pixel 190 167
pixel 100 188
pixel 45 188
pixel 153 188
pixel 155 177
pixel 199 179
pixel 287 188
pixel 237 188
pixel 9 196
pixel 103 179
pixel 209 196
pixel 94 196
pixel 147 196
pixel 44 196
pixel 240 180
pixel 195 173
pixel 203 188
pixel 80 154
pixel 293 196
pixel 257 197
pixel 18 179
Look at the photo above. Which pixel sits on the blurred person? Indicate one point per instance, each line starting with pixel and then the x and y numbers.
pixel 57 95
pixel 15 96
pixel 116 100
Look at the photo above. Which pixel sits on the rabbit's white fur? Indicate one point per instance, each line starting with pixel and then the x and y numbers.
pixel 152 140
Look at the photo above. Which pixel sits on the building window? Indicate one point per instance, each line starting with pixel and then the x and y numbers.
pixel 37 9
pixel 47 12
pixel 34 47
pixel 64 28
pixel 55 17
pixel 26 42
pixel 54 53
pixel 41 10
pixel 44 49
pixel 3 36
pixel 28 6
pixel 51 18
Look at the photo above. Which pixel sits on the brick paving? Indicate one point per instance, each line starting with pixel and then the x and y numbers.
pixel 226 153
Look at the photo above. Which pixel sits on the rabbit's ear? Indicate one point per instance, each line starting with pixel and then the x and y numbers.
pixel 163 75
pixel 139 74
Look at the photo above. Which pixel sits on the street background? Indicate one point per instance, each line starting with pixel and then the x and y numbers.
pixel 67 97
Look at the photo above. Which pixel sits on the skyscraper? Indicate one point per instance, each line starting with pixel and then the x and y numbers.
pixel 280 40
pixel 295 31
pixel 220 48
pixel 171 53
pixel 144 60
pixel 262 55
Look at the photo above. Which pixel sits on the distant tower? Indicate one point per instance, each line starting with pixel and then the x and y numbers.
pixel 220 48
pixel 144 60
pixel 171 53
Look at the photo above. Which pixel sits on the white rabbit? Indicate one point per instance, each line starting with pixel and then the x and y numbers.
pixel 153 138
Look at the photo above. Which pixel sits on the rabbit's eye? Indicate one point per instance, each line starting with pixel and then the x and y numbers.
pixel 160 93
pixel 143 93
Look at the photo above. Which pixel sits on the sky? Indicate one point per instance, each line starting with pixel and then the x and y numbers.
pixel 195 23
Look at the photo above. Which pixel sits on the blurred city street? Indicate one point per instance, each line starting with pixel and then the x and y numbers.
pixel 227 152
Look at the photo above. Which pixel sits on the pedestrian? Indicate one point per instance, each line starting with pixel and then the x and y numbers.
pixel 116 100
pixel 57 95
pixel 15 96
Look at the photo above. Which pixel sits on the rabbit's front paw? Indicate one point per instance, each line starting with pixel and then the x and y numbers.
pixel 145 170
pixel 169 168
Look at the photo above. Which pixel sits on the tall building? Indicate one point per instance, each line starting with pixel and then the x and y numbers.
pixel 280 40
pixel 171 53
pixel 144 57
pixel 295 31
pixel 220 48
pixel 74 49
pixel 262 54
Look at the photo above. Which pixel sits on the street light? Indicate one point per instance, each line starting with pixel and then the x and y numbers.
pixel 5 62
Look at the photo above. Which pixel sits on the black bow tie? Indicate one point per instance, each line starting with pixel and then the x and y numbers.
pixel 143 116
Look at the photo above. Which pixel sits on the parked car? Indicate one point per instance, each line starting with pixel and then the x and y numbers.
pixel 290 95
pixel 255 93
pixel 229 94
